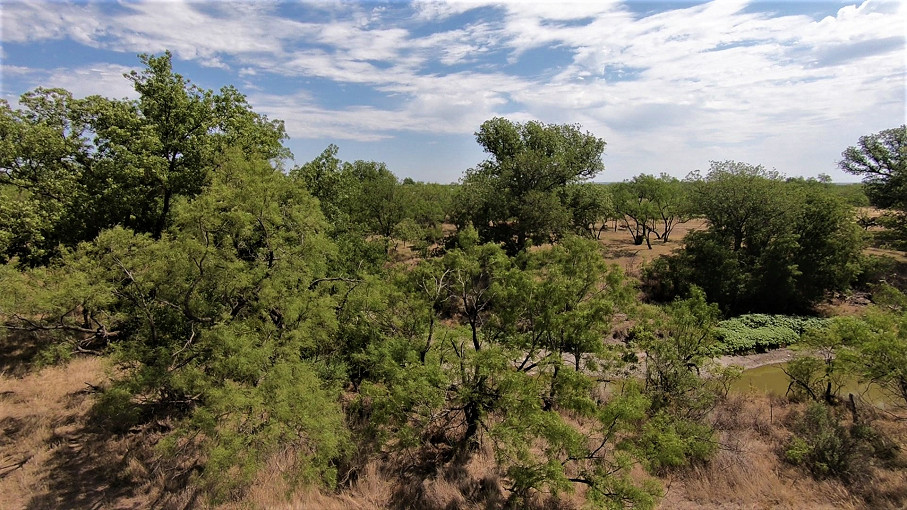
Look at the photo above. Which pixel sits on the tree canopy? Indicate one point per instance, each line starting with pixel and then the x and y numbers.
pixel 881 159
pixel 518 194
pixel 770 246
pixel 651 205
pixel 70 167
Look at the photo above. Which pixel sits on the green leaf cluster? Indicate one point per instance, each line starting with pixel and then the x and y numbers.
pixel 364 198
pixel 70 168
pixel 821 443
pixel 760 332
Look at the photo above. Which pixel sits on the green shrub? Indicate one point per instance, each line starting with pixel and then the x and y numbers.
pixel 54 354
pixel 669 442
pixel 760 332
pixel 821 444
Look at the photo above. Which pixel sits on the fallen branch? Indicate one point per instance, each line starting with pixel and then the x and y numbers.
pixel 9 468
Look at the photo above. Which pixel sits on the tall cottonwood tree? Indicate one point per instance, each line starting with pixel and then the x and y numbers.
pixel 516 195
pixel 881 159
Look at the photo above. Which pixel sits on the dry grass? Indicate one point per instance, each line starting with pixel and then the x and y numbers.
pixel 748 472
pixel 896 255
pixel 620 249
pixel 42 420
pixel 52 454
pixel 472 485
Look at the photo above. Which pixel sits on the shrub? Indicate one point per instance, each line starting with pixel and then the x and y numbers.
pixel 671 442
pixel 821 444
pixel 760 332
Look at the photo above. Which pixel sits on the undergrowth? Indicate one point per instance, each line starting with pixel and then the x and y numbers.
pixel 759 332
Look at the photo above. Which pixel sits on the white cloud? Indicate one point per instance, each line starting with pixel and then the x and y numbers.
pixel 101 78
pixel 34 21
pixel 104 79
pixel 435 10
pixel 711 81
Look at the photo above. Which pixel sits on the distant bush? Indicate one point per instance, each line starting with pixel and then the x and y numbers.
pixel 854 194
pixel 759 332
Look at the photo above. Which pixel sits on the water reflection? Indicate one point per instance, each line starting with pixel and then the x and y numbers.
pixel 771 380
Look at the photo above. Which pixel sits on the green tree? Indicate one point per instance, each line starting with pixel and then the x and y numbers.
pixel 650 205
pixel 514 196
pixel 743 203
pixel 829 243
pixel 874 346
pixel 189 125
pixel 364 199
pixel 223 324
pixel 591 207
pixel 636 208
pixel 679 343
pixel 509 361
pixel 42 151
pixel 672 202
pixel 425 209
pixel 770 246
pixel 322 177
pixel 677 347
pixel 376 204
pixel 73 167
pixel 881 158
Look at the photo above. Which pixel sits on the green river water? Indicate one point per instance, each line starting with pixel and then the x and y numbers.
pixel 771 380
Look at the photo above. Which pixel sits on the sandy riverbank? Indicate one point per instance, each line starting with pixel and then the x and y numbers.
pixel 749 361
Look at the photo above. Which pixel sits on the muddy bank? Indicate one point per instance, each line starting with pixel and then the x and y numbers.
pixel 760 359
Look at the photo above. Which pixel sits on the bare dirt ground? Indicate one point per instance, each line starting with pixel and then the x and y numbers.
pixel 43 458
pixel 52 454
pixel 630 257
pixel 759 359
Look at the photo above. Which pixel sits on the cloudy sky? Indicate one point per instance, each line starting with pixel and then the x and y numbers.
pixel 668 85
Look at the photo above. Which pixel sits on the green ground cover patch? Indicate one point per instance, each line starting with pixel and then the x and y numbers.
pixel 760 332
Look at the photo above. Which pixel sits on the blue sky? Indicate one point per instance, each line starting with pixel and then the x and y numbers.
pixel 668 85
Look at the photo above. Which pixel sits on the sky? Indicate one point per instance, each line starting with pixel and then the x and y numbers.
pixel 670 85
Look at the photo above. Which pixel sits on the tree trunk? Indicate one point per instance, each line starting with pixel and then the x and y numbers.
pixel 431 331
pixel 162 219
pixel 552 391
pixel 472 423
pixel 475 334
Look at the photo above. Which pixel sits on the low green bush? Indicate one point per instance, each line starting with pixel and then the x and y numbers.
pixel 760 332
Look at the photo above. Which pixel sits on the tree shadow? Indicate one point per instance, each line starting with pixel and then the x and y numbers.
pixel 18 350
pixel 88 468
pixel 439 479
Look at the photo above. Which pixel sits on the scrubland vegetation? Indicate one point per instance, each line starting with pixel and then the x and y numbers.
pixel 189 323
